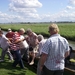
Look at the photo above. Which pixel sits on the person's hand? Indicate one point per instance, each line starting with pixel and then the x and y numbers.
pixel 41 67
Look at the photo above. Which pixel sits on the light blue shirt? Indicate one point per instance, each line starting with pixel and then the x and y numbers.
pixel 56 47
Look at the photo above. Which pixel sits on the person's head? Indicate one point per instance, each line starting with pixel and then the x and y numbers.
pixel 53 29
pixel 40 37
pixel 21 31
pixel 29 32
pixel 9 30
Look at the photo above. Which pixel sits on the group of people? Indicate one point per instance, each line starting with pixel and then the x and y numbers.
pixel 52 51
pixel 17 44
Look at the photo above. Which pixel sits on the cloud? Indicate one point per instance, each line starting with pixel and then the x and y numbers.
pixel 25 3
pixel 69 7
pixel 25 8
pixel 72 2
pixel 9 18
pixel 26 11
pixel 64 15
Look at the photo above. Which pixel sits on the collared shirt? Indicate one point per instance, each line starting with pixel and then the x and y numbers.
pixel 56 47
pixel 41 43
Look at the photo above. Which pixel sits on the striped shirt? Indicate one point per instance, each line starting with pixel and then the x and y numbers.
pixel 15 46
pixel 56 47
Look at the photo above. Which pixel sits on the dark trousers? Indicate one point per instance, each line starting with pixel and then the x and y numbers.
pixel 46 71
pixel 18 59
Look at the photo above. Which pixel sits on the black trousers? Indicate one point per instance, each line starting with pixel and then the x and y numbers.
pixel 46 71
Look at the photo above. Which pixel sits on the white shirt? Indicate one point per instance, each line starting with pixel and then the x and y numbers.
pixel 23 44
pixel 56 47
pixel 4 42
pixel 41 45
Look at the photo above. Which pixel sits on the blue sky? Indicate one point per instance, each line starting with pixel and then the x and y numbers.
pixel 36 10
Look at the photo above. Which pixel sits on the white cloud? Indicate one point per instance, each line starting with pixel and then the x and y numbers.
pixel 26 11
pixel 69 7
pixel 9 18
pixel 72 2
pixel 25 8
pixel 26 3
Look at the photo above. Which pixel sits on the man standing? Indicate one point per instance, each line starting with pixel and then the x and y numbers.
pixel 54 52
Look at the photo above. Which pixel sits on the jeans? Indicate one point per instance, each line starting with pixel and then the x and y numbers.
pixel 18 59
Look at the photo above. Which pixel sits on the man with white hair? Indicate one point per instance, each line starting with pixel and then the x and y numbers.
pixel 54 51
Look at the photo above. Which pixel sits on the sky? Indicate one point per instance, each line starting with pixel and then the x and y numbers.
pixel 36 10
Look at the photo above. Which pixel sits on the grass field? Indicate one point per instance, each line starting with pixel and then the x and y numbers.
pixel 66 29
pixel 7 69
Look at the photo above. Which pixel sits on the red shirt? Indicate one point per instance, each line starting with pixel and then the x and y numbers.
pixel 9 34
pixel 15 46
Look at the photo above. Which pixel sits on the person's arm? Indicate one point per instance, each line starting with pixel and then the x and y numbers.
pixel 6 39
pixel 21 39
pixel 18 40
pixel 10 39
pixel 67 53
pixel 42 60
pixel 36 40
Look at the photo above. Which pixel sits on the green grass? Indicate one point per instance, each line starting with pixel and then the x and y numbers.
pixel 66 29
pixel 7 69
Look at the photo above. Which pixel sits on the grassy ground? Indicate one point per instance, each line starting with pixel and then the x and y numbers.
pixel 7 69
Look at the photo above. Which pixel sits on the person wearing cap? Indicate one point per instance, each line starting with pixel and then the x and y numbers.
pixel 9 30
pixel 32 40
pixel 54 51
